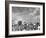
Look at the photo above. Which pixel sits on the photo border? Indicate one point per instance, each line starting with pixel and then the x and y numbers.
pixel 7 18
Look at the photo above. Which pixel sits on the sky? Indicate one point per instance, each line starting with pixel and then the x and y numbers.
pixel 27 14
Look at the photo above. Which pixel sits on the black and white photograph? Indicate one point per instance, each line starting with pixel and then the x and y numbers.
pixel 25 19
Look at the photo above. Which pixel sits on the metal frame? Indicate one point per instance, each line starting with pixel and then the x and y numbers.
pixel 7 18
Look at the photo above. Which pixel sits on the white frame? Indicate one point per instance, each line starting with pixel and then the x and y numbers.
pixel 25 32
